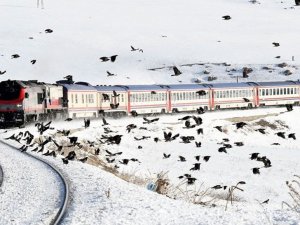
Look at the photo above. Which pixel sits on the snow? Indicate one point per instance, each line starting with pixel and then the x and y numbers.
pixel 191 35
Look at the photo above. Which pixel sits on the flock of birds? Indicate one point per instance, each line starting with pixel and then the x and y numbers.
pixel 74 148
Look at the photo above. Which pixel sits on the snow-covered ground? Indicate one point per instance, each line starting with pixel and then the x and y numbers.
pixel 170 32
pixel 193 36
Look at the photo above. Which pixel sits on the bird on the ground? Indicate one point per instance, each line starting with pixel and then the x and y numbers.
pixel 97 151
pixel 110 160
pixel 254 155
pixel 73 140
pixel 134 113
pixel 255 170
pixel 239 144
pixel 196 166
pixel 240 125
pixel 200 110
pixel 156 139
pixel 68 119
pixel 169 137
pixel 177 72
pixel 197 157
pixel 218 186
pixel 185 118
pixel 129 127
pixel 124 161
pixel 191 180
pixel 109 74
pixel 226 17
pixel 15 56
pixel 206 158
pixel 281 134
pixel 65 161
pixel 198 144
pixel 83 160
pixel 200 131
pixel 71 155
pixel 225 139
pixel 219 128
pixel 261 130
pixel 292 135
pixel 222 149
pixel 148 121
pixel 181 159
pixel 48 31
pixel 105 123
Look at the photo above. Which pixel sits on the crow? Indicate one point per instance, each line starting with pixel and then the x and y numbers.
pixel 181 159
pixel 105 97
pixel 197 157
pixel 73 140
pixel 240 125
pixel 201 92
pixel 134 160
pixel 222 149
pixel 185 118
pixel 200 131
pixel 133 49
pixel 97 151
pixel 153 92
pixel 130 127
pixel 110 160
pixel 200 110
pixel 227 145
pixel 255 170
pixel 239 144
pixel 177 72
pixel 219 128
pixel 166 156
pixel 275 144
pixel 225 139
pixel 147 121
pixel 156 139
pixel 187 123
pixel 24 148
pixel 33 61
pixel 191 180
pixel 196 166
pixel 15 56
pixel 276 44
pixel 254 155
pixel 292 135
pixel 265 202
pixel 281 134
pixel 2 72
pixel 68 119
pixel 142 138
pixel 104 122
pixel 198 144
pixel 124 161
pixel 216 187
pixel 246 99
pixel 87 123
pixel 198 120
pixel 104 59
pixel 261 130
pixel 83 160
pixel 134 113
pixel 168 136
pixel 109 74
pixel 227 17
pixel 115 94
pixel 71 155
pixel 114 106
pixel 140 147
pixel 65 160
pixel 48 31
pixel 206 158
pixel 111 58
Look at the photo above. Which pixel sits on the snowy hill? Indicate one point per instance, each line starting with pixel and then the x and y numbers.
pixel 169 32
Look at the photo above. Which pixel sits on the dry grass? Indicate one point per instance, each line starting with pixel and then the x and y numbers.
pixel 294 192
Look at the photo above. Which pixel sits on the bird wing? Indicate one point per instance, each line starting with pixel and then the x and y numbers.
pixel 176 70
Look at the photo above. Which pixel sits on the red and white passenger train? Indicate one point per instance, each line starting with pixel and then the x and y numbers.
pixel 22 101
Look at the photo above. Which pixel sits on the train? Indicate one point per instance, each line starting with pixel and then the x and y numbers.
pixel 25 101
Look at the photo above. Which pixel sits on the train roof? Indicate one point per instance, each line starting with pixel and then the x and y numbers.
pixel 153 87
pixel 233 85
pixel 78 87
pixel 278 83
pixel 188 86
pixel 110 88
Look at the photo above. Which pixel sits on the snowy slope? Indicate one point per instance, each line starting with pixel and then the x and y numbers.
pixel 87 30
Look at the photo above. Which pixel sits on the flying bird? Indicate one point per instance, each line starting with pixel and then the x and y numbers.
pixel 15 56
pixel 2 72
pixel 33 61
pixel 109 74
pixel 177 72
pixel 48 31
pixel 227 17
pixel 276 44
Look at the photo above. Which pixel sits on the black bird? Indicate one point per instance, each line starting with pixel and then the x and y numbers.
pixel 2 72
pixel 153 92
pixel 246 99
pixel 197 157
pixel 124 161
pixel 104 59
pixel 147 121
pixel 196 166
pixel 276 44
pixel 185 118
pixel 219 128
pixel 225 139
pixel 73 140
pixel 222 149
pixel 227 17
pixel 166 156
pixel 216 187
pixel 65 160
pixel 191 180
pixel 275 144
pixel 15 56
pixel 140 147
pixel 181 159
pixel 115 94
pixel 187 124
pixel 200 131
pixel 134 113
pixel 265 202
pixel 198 120
pixel 261 130
pixel 239 144
pixel 292 135
pixel 69 78
pixel 33 61
pixel 156 139
pixel 105 97
pixel 71 155
pixel 281 134
pixel 97 151
pixel 206 158
pixel 109 74
pixel 201 92
pixel 87 123
pixel 198 144
pixel 104 122
pixel 142 138
pixel 48 31
pixel 68 119
pixel 110 160
pixel 114 106
pixel 133 49
pixel 177 72
pixel 267 163
pixel 255 170
pixel 200 110
pixel 134 160
pixel 24 148
pixel 112 58
pixel 289 107
pixel 168 136
pixel 254 155
pixel 240 125
pixel 83 160
pixel 130 127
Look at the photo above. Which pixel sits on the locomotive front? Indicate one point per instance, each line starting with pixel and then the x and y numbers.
pixel 12 95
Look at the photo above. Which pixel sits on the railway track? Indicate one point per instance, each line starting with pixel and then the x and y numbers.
pixel 57 219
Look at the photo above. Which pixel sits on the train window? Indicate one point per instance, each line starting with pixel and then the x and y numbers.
pixel 72 98
pixel 274 91
pixel 292 91
pixel 82 98
pixel 267 91
pixel 288 91
pixel 40 98
pixel 263 92
pixel 281 91
pixel 230 94
pixel 284 91
pixel 76 98
pixel 122 98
